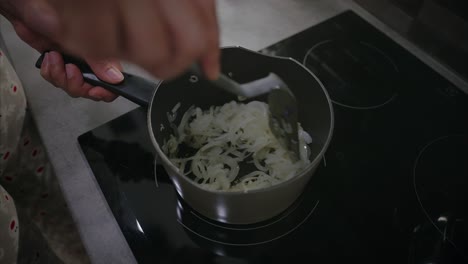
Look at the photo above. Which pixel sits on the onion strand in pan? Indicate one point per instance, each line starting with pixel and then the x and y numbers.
pixel 226 138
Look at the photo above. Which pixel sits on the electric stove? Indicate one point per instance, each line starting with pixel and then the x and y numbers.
pixel 392 187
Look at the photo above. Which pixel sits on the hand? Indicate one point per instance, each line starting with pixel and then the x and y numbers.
pixel 69 77
pixel 162 36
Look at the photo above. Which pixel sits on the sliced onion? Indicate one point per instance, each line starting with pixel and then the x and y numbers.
pixel 228 137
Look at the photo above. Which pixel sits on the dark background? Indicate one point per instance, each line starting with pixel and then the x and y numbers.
pixel 439 27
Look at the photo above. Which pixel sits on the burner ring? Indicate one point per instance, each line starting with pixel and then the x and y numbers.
pixel 245 235
pixel 351 85
pixel 443 194
pixel 248 229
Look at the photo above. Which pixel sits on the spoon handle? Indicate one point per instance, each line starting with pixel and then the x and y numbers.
pixel 250 89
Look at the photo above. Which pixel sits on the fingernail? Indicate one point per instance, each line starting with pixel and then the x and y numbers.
pixel 53 58
pixel 69 71
pixel 45 62
pixel 114 74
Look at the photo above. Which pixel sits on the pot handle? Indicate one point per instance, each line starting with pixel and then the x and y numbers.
pixel 135 88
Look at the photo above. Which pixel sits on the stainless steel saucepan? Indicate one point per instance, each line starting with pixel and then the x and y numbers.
pixel 315 113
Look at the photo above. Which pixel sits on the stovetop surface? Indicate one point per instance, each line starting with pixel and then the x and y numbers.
pixel 392 187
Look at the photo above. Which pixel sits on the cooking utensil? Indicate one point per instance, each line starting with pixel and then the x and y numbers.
pixel 281 102
pixel 242 65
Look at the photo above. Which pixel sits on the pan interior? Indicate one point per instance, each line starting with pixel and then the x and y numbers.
pixel 314 107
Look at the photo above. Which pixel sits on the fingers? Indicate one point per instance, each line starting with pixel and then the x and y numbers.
pixel 109 71
pixel 36 41
pixel 186 37
pixel 77 86
pixel 69 78
pixel 42 18
pixel 85 28
pixel 91 28
pixel 181 33
pixel 145 34
pixel 210 60
pixel 164 37
pixel 53 70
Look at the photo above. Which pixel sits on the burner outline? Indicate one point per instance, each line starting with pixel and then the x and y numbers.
pixel 304 61
pixel 416 191
pixel 256 243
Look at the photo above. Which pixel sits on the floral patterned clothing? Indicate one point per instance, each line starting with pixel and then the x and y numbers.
pixel 35 224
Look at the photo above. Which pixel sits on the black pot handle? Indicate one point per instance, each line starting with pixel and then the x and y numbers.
pixel 136 89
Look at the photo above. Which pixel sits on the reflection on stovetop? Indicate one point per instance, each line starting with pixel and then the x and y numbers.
pixel 353 70
pixel 440 180
pixel 221 234
pixel 391 188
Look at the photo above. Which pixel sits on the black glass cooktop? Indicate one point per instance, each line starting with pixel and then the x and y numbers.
pixel 392 187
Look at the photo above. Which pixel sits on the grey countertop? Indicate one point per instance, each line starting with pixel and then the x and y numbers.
pixel 61 119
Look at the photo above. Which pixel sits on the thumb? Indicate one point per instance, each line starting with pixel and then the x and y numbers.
pixel 109 70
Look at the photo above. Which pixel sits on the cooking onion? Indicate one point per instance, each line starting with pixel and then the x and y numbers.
pixel 233 148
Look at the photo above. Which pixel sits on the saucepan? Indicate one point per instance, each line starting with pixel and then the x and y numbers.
pixel 315 113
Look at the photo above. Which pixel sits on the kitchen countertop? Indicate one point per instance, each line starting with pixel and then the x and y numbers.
pixel 61 119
